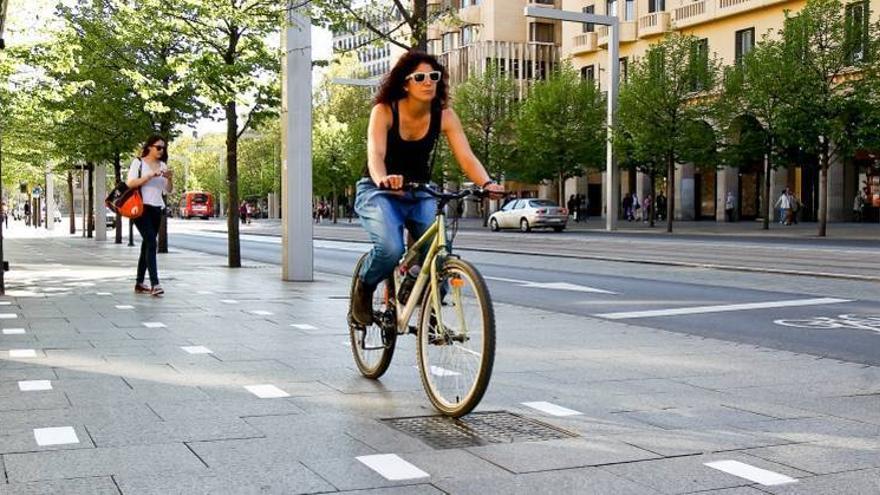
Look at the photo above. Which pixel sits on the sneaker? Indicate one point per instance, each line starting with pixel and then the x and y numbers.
pixel 157 291
pixel 141 289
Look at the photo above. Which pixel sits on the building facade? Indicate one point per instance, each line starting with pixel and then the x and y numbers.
pixel 728 29
pixel 375 57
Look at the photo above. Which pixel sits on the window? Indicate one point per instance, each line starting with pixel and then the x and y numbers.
pixel 468 35
pixel 656 6
pixel 856 31
pixel 629 10
pixel 541 32
pixel 544 2
pixel 623 67
pixel 448 42
pixel 745 41
pixel 588 73
pixel 470 3
pixel 699 64
pixel 589 9
pixel 610 7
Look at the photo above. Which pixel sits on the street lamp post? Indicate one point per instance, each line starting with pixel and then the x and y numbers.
pixel 612 191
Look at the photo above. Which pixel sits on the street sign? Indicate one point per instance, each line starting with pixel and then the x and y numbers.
pixel 37 191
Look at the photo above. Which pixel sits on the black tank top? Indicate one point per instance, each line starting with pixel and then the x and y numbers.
pixel 411 159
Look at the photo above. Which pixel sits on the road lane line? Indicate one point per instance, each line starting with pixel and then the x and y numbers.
pixel 303 326
pixel 154 324
pixel 720 308
pixel 22 353
pixel 551 285
pixel 751 473
pixel 392 468
pixel 13 331
pixel 552 409
pixel 197 349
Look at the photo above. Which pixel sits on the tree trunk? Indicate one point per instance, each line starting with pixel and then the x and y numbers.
pixel 91 205
pixel 653 198
pixel 335 206
pixel 766 192
pixel 420 30
pixel 670 191
pixel 117 173
pixel 823 191
pixel 560 190
pixel 234 247
pixel 72 203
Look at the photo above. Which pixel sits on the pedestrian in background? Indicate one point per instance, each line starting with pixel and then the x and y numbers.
pixel 572 207
pixel 150 173
pixel 729 206
pixel 647 205
pixel 583 208
pixel 661 206
pixel 794 205
pixel 627 205
pixel 783 204
pixel 243 212
pixel 858 207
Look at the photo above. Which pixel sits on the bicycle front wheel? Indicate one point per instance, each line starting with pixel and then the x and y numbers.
pixel 457 351
pixel 372 345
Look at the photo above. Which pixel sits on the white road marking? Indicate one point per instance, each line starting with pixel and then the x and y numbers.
pixel 303 326
pixel 55 436
pixel 228 301
pixel 124 306
pixel 751 473
pixel 552 285
pixel 720 308
pixel 34 385
pixel 260 312
pixel 103 293
pixel 8 316
pixel 13 331
pixel 204 292
pixel 266 391
pixel 154 324
pixel 22 353
pixel 392 467
pixel 197 349
pixel 552 409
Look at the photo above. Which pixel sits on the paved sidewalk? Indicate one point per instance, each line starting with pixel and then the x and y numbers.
pixel 103 391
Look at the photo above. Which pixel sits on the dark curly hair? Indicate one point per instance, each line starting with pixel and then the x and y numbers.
pixel 155 138
pixel 391 88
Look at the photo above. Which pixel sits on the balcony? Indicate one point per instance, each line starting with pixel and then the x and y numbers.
pixel 692 13
pixel 434 32
pixel 585 43
pixel 471 15
pixel 629 32
pixel 654 24
pixel 710 10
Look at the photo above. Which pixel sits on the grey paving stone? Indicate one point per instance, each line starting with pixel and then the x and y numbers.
pixel 423 489
pixel 249 407
pixel 689 474
pixel 684 442
pixel 694 418
pixel 13 440
pixel 825 457
pixel 814 429
pixel 49 399
pixel 583 481
pixel 222 454
pixel 292 478
pixel 95 415
pixel 120 434
pixel 862 482
pixel 169 459
pixel 559 454
pixel 27 373
pixel 99 485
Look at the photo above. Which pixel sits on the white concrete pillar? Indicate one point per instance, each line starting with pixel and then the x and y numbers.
pixel 778 183
pixel 297 258
pixel 727 181
pixel 684 192
pixel 50 201
pixel 100 193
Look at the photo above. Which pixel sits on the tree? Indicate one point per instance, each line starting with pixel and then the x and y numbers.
pixel 661 115
pixel 760 87
pixel 400 22
pixel 234 66
pixel 832 55
pixel 486 106
pixel 560 130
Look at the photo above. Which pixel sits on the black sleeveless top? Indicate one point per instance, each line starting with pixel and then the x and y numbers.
pixel 411 159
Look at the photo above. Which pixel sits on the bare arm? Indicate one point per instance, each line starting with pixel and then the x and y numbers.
pixel 381 120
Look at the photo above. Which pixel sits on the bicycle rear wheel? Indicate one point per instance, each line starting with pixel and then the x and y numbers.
pixel 456 358
pixel 372 345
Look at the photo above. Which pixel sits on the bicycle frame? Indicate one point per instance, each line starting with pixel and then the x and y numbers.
pixel 435 239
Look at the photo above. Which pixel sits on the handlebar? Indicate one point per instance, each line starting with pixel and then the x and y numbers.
pixel 445 196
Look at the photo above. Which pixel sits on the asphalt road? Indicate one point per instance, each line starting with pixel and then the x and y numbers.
pixel 776 311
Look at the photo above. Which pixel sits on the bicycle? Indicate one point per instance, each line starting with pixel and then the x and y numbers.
pixel 456 326
pixel 853 321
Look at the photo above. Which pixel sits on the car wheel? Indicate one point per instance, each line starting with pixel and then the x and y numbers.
pixel 524 225
pixel 558 229
pixel 493 224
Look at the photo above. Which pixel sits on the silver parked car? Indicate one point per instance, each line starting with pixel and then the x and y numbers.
pixel 526 214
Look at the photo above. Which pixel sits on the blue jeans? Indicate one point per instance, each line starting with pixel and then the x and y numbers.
pixel 384 215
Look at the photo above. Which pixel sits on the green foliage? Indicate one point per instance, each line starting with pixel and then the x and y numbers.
pixel 560 129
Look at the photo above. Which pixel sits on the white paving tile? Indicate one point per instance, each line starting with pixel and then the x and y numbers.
pixel 228 301
pixel 260 312
pixel 34 385
pixel 5 303
pixel 552 409
pixel 266 391
pixel 55 436
pixel 204 292
pixel 392 467
pixel 22 353
pixel 124 306
pixel 103 293
pixel 154 324
pixel 8 316
pixel 14 331
pixel 751 473
pixel 197 349
pixel 303 326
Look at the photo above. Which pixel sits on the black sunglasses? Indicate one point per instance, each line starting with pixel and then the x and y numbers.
pixel 158 148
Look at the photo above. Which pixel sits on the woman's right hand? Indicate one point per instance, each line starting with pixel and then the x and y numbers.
pixel 393 182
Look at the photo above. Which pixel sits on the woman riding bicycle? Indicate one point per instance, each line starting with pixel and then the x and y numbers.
pixel 410 112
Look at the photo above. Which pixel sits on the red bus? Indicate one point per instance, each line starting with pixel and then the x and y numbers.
pixel 196 204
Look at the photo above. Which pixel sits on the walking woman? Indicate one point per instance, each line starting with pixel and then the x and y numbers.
pixel 408 118
pixel 150 173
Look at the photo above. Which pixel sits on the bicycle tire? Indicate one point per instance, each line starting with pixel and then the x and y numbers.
pixel 371 360
pixel 429 368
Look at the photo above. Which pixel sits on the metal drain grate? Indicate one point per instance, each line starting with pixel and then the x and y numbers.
pixel 477 429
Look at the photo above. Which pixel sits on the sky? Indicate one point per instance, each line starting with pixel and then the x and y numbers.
pixel 29 21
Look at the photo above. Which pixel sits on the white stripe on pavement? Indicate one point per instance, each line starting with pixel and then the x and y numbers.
pixel 8 316
pixel 13 331
pixel 551 285
pixel 260 312
pixel 197 349
pixel 392 467
pixel 55 436
pixel 22 353
pixel 34 385
pixel 303 326
pixel 720 308
pixel 154 324
pixel 552 409
pixel 751 473
pixel 266 391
